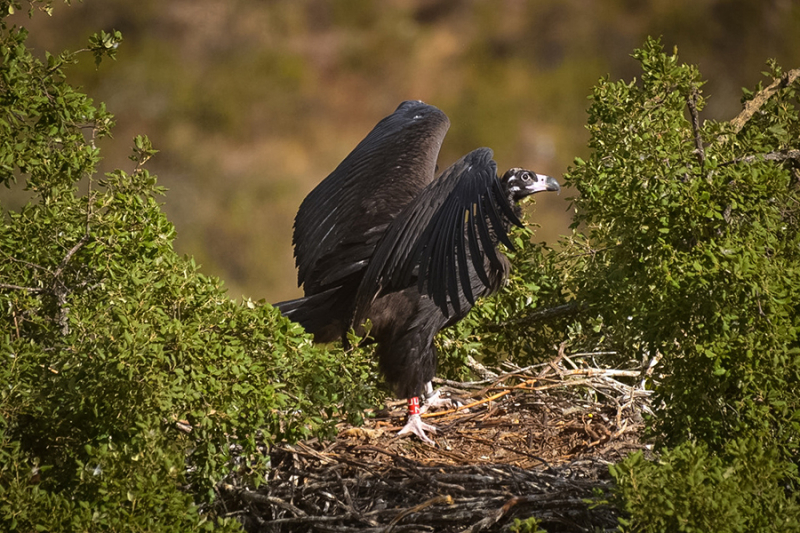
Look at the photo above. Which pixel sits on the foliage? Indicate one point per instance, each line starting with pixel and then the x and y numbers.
pixel 131 383
pixel 692 253
pixel 529 525
pixel 694 490
pixel 695 256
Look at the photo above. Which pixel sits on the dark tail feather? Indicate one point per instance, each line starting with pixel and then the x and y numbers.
pixel 319 314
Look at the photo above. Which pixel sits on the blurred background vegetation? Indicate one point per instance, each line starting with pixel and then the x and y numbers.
pixel 253 102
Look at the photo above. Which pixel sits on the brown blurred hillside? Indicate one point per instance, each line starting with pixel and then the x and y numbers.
pixel 253 102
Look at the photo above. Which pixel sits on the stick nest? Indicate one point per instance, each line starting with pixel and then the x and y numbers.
pixel 531 442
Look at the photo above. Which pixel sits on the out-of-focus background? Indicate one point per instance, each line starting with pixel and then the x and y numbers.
pixel 252 102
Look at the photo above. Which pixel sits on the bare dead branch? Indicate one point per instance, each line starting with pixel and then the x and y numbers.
pixel 771 156
pixel 26 263
pixel 757 102
pixel 541 315
pixel 698 141
pixel 64 262
pixel 436 500
pixel 9 286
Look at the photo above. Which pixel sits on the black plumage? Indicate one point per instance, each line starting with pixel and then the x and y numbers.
pixel 381 239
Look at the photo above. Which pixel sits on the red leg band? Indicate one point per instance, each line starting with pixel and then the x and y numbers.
pixel 413 405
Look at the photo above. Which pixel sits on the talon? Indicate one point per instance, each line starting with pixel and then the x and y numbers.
pixel 416 426
pixel 435 401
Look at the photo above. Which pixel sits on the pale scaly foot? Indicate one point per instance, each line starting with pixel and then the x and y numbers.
pixel 415 424
pixel 434 400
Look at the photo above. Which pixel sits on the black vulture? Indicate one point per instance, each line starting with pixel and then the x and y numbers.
pixel 381 239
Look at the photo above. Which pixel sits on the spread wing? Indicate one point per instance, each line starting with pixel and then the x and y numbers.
pixel 445 235
pixel 341 221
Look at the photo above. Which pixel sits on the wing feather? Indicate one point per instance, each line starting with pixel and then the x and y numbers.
pixel 341 221
pixel 443 236
pixel 486 238
pixel 474 249
pixel 461 255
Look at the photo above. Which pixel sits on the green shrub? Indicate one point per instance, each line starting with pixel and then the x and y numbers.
pixel 691 489
pixel 129 379
pixel 696 255
pixel 692 253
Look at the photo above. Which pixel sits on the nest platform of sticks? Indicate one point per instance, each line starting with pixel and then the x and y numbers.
pixel 530 442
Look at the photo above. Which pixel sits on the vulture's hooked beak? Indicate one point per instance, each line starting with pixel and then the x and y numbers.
pixel 543 183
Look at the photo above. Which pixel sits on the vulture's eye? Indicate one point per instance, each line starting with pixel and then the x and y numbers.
pixel 526 176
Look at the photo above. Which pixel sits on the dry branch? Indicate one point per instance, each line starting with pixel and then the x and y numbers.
pixel 541 315
pixel 771 156
pixel 754 104
pixel 698 140
pixel 19 288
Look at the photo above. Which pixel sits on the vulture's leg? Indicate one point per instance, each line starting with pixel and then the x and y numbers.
pixel 415 424
pixel 433 400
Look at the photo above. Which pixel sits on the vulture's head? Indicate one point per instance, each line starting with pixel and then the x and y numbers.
pixel 519 183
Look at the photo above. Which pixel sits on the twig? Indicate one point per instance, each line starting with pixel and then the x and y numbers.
pixel 541 314
pixel 460 384
pixel 480 369
pixel 691 102
pixel 19 288
pixel 255 497
pixel 562 349
pixel 602 372
pixel 469 405
pixel 593 354
pixel 493 518
pixel 480 384
pixel 64 262
pixel 771 156
pixel 568 360
pixel 26 263
pixel 417 508
pixel 648 370
pixel 754 104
